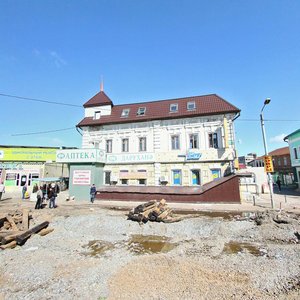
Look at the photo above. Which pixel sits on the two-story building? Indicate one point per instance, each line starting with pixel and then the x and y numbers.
pixel 185 141
pixel 294 146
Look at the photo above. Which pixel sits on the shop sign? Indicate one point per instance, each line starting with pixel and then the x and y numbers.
pixel 129 158
pixel 27 154
pixel 268 164
pixel 82 177
pixel 11 166
pixel 193 156
pixel 80 155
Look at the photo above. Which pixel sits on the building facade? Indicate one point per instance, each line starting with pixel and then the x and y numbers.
pixel 186 141
pixel 294 146
pixel 22 165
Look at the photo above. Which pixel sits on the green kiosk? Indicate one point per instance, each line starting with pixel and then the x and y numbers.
pixel 85 169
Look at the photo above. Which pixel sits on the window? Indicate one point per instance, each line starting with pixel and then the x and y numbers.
pixel 195 177
pixel 108 146
pixel 176 177
pixel 97 115
pixel 295 153
pixel 125 145
pixel 141 111
pixel 215 173
pixel 142 144
pixel 191 106
pixel 96 145
pixel 174 107
pixel 175 142
pixel 142 181
pixel 124 181
pixel 279 161
pixel 284 161
pixel 107 176
pixel 125 113
pixel 194 141
pixel 213 140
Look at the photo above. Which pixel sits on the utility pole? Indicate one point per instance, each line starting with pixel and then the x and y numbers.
pixel 267 101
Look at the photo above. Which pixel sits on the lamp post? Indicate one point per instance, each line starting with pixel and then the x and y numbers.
pixel 267 101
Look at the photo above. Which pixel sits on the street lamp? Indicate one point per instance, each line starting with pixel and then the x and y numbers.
pixel 267 101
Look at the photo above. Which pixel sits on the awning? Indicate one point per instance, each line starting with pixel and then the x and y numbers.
pixel 48 179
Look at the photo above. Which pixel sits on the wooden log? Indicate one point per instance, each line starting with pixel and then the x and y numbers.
pixel 45 231
pixel 162 202
pixel 10 237
pixel 25 219
pixel 142 207
pixel 10 245
pixel 21 239
pixel 12 223
pixel 164 214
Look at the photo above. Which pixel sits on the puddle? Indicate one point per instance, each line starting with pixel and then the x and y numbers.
pixel 147 244
pixel 237 247
pixel 97 248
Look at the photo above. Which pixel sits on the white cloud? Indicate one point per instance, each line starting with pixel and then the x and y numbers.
pixel 58 60
pixel 278 138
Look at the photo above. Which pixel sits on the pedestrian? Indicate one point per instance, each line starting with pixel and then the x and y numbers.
pixel 2 189
pixel 39 198
pixel 52 195
pixel 278 181
pixel 93 192
pixel 24 190
pixel 35 188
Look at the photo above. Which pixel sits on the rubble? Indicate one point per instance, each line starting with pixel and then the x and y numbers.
pixel 15 228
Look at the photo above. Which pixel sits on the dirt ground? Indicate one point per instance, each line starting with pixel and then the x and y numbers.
pixel 94 252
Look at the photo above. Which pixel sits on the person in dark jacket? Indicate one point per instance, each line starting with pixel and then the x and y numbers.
pixel 39 198
pixel 52 196
pixel 93 192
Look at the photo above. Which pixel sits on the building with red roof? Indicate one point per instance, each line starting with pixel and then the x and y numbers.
pixel 184 141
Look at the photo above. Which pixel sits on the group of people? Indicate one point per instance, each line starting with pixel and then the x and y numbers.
pixel 45 192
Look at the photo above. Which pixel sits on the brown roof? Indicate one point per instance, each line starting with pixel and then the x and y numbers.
pixel 99 99
pixel 158 110
pixel 280 151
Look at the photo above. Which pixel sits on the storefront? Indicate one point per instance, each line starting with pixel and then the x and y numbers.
pixel 85 168
pixel 21 165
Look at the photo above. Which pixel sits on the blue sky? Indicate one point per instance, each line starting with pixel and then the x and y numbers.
pixel 244 51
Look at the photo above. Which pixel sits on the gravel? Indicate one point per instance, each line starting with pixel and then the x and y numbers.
pixel 63 264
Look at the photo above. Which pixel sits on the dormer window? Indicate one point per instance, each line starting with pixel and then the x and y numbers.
pixel 174 107
pixel 125 113
pixel 141 111
pixel 191 105
pixel 97 115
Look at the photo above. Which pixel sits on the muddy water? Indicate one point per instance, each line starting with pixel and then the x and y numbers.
pixel 237 247
pixel 97 248
pixel 137 244
pixel 142 244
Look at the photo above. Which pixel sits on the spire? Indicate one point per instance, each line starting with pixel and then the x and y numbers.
pixel 101 84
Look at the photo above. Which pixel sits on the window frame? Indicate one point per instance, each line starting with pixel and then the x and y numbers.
pixel 212 137
pixel 197 141
pixel 174 105
pixel 125 113
pixel 295 153
pixel 108 146
pixel 125 145
pixel 142 145
pixel 105 177
pixel 180 177
pixel 141 111
pixel 178 141
pixel 199 173
pixel 97 115
pixel 189 108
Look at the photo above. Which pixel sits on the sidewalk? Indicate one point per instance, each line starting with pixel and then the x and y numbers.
pixel 287 200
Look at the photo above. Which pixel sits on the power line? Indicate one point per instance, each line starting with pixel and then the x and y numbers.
pixel 267 120
pixel 39 100
pixel 42 132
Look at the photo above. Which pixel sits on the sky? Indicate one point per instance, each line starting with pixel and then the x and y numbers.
pixel 57 51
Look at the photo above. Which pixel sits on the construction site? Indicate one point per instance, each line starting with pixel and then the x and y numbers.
pixel 156 249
